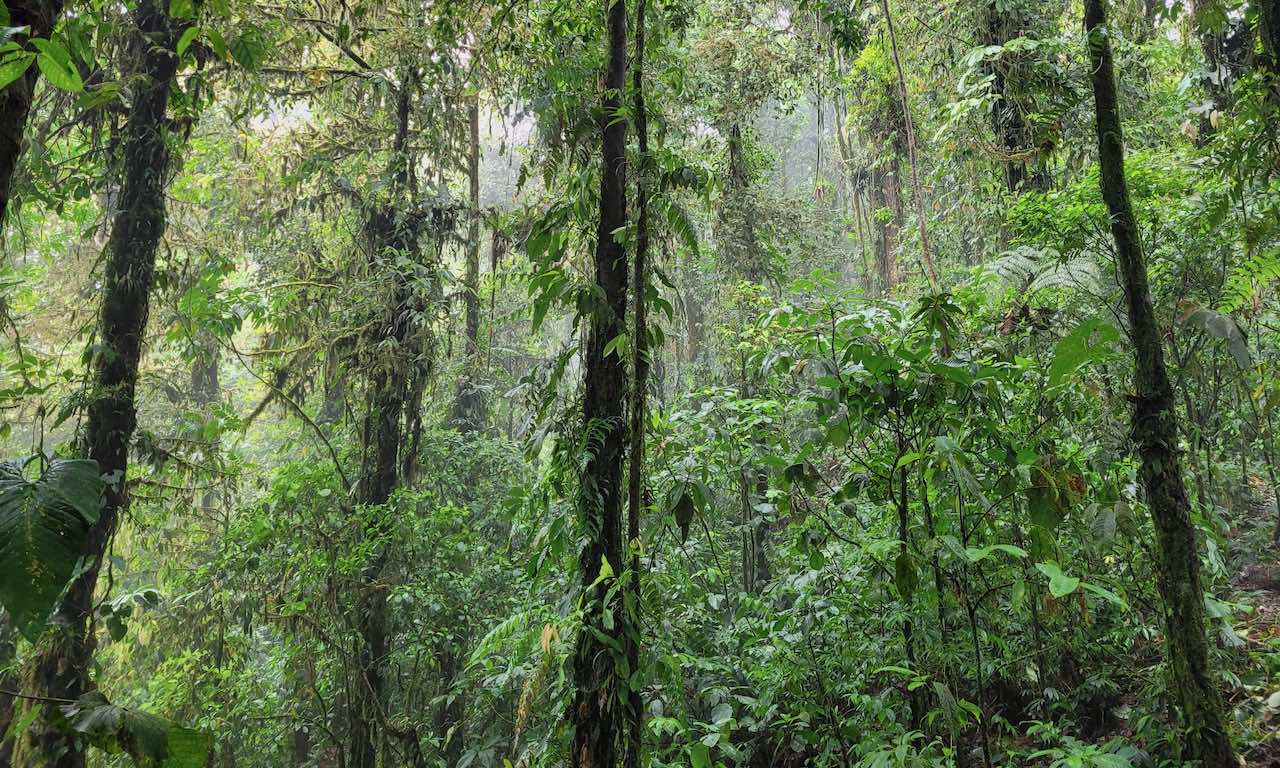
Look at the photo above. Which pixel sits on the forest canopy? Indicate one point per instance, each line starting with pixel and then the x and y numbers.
pixel 639 383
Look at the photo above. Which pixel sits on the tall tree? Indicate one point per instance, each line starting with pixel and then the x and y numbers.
pixel 1155 432
pixel 639 385
pixel 599 723
pixel 917 191
pixel 391 230
pixel 58 667
pixel 469 407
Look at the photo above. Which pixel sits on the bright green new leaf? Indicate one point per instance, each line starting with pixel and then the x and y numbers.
pixel 976 555
pixel 56 65
pixel 13 66
pixel 188 37
pixel 1060 584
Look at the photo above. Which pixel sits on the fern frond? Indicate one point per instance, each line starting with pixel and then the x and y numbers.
pixel 1249 279
pixel 1080 273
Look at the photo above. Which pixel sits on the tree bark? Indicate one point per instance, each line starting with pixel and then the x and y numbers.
pixel 598 709
pixel 639 394
pixel 469 407
pixel 1007 121
pixel 59 663
pixel 886 193
pixel 15 100
pixel 390 232
pixel 1155 433
pixel 918 190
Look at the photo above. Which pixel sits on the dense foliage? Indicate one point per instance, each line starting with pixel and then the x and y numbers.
pixel 703 383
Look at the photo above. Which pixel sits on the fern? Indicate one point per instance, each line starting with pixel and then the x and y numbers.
pixel 1249 279
pixel 1031 270
pixel 499 636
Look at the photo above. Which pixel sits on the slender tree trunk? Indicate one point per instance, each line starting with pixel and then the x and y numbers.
pixel 639 393
pixel 469 407
pixel 15 100
pixel 917 190
pixel 1155 432
pixel 59 663
pixel 597 712
pixel 886 193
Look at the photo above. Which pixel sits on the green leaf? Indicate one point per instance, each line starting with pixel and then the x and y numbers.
pixel 1060 584
pixel 12 67
pixel 1044 502
pixel 56 65
pixel 188 37
pixel 182 9
pixel 43 526
pixel 976 555
pixel 1078 348
pixel 699 755
pixel 1105 594
pixel 152 741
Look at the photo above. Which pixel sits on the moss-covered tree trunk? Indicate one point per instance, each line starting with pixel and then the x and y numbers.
pixel 468 411
pixel 15 100
pixel 598 709
pixel 639 393
pixel 1155 432
pixel 1004 23
pixel 391 232
pixel 58 667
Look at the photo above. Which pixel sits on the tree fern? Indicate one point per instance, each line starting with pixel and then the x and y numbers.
pixel 1031 270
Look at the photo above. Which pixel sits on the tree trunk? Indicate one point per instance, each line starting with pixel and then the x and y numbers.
pixel 391 233
pixel 1155 432
pixel 59 663
pixel 639 393
pixel 886 193
pixel 1007 121
pixel 469 406
pixel 15 100
pixel 1268 15
pixel 917 188
pixel 598 698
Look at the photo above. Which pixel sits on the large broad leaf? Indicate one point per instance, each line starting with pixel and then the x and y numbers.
pixel 43 525
pixel 56 65
pixel 152 741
